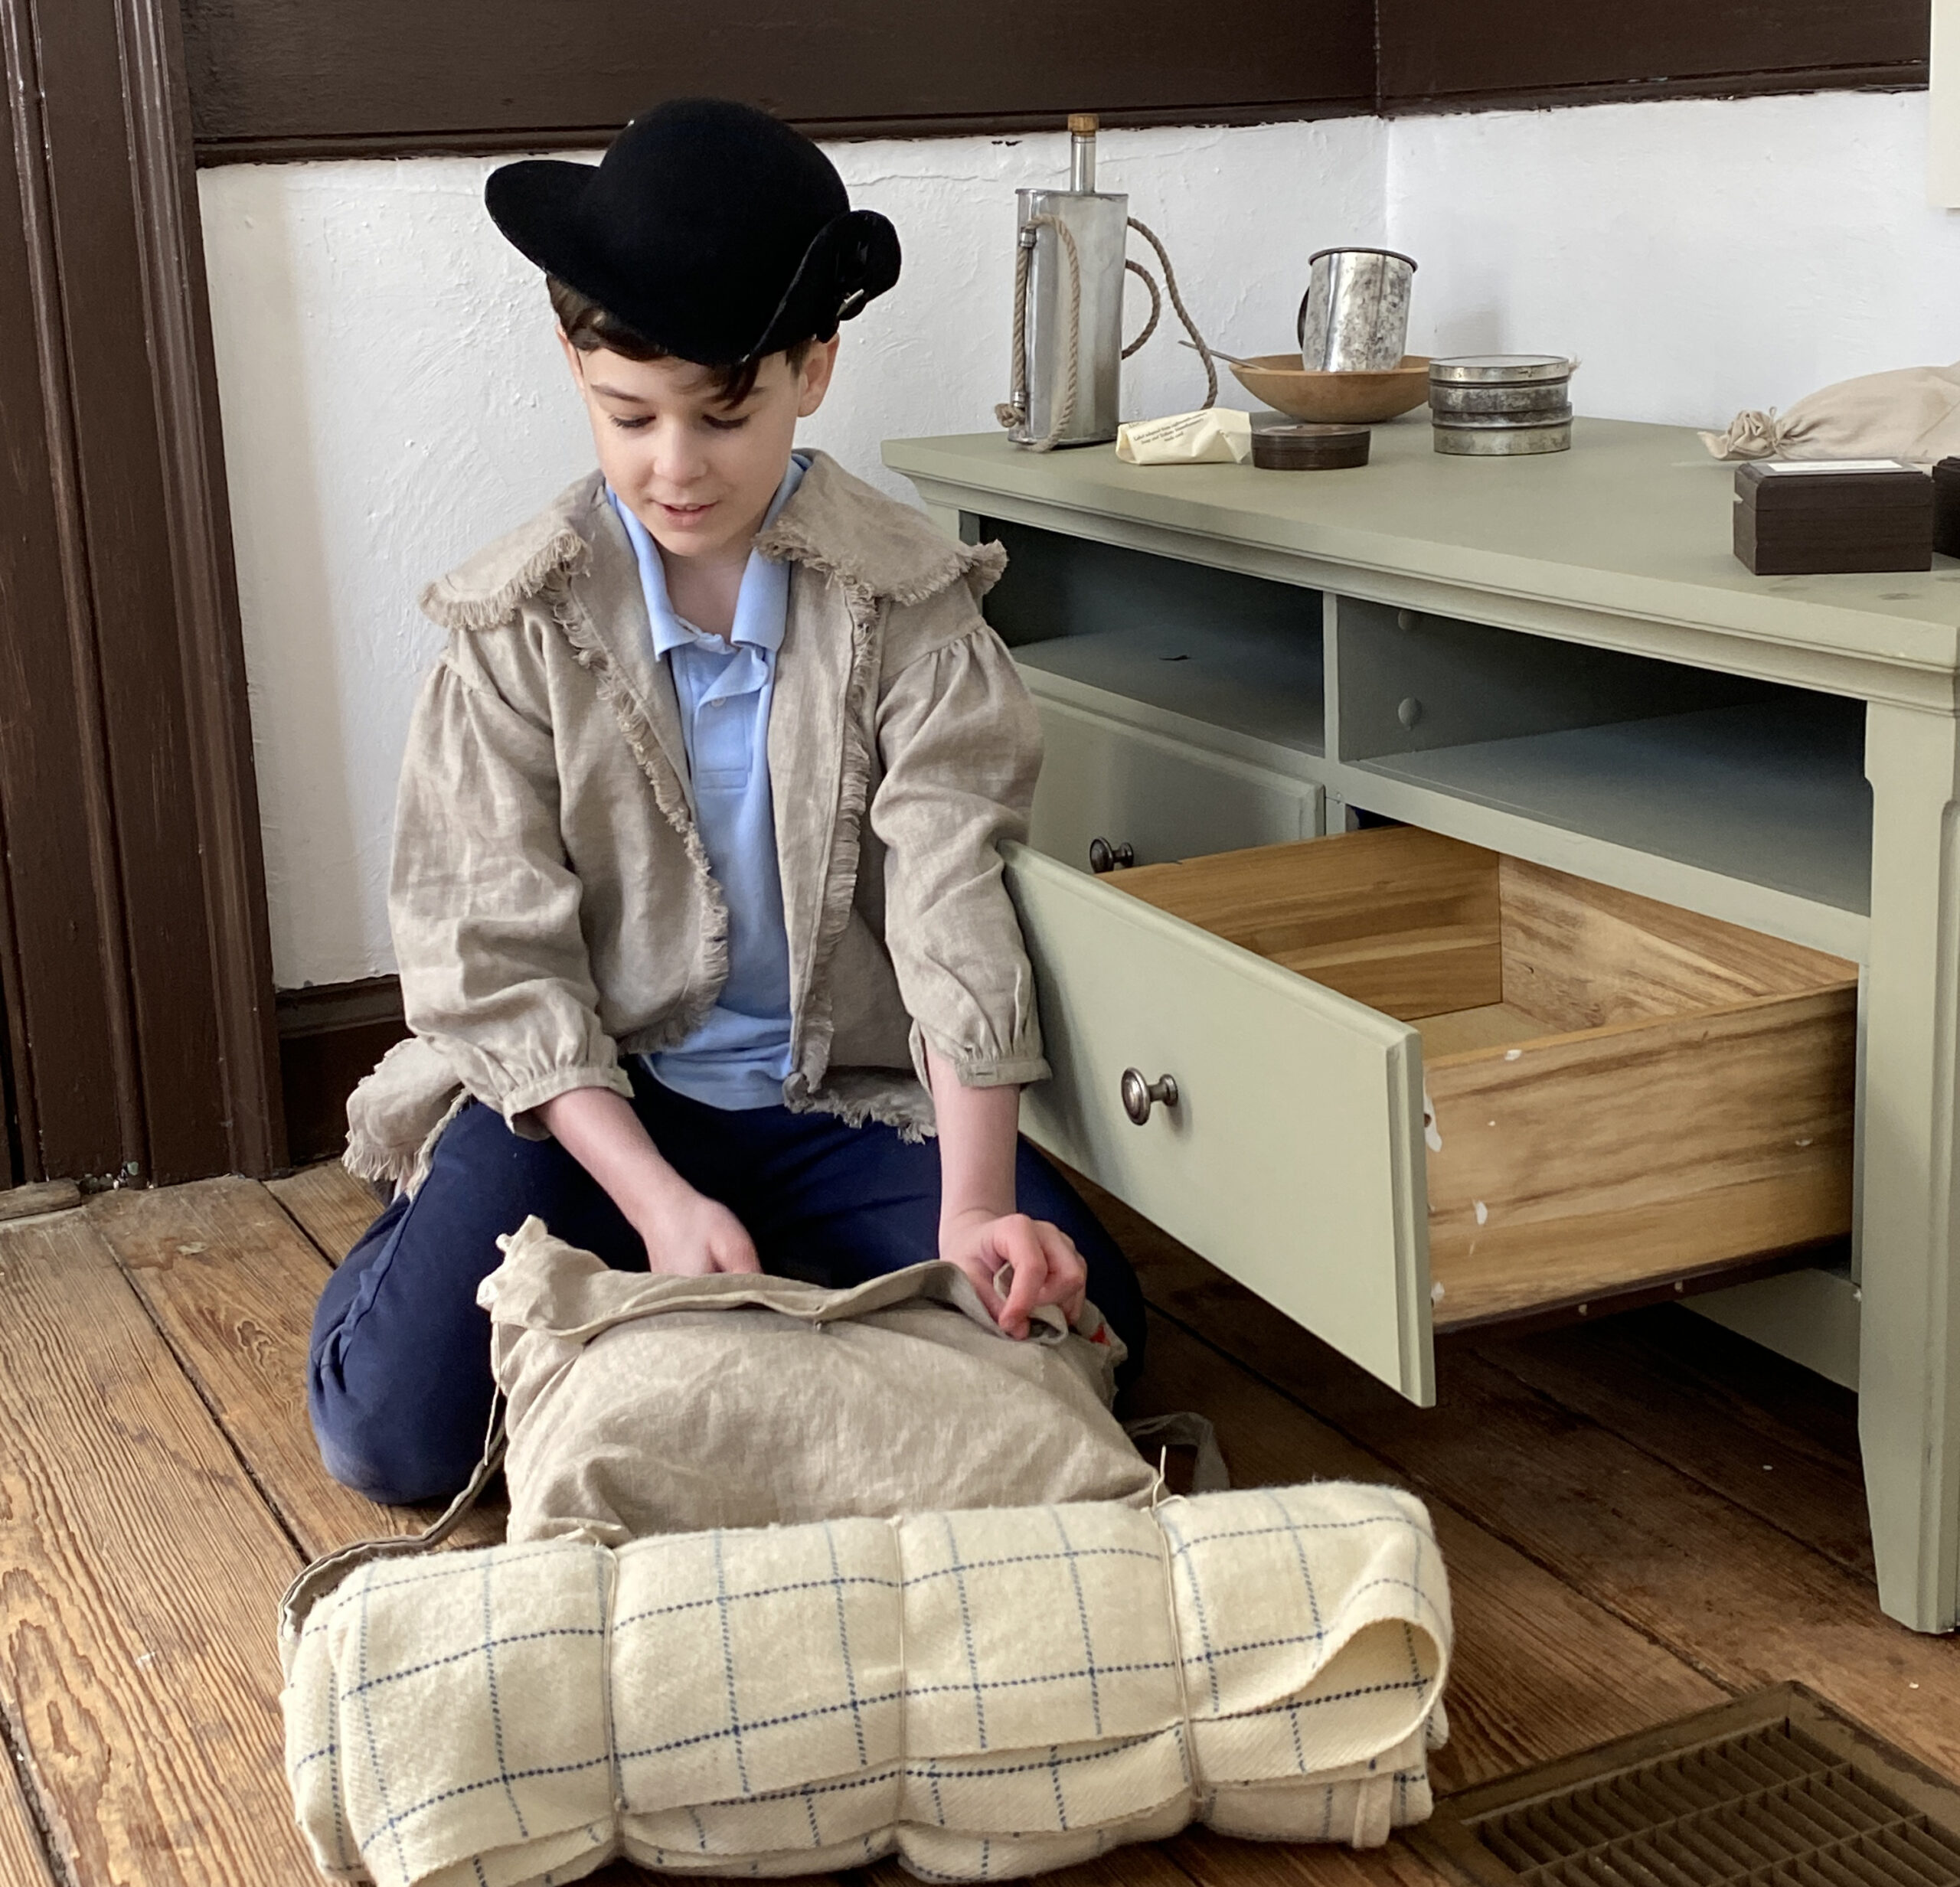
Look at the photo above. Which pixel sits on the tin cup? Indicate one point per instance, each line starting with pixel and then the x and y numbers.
pixel 1355 318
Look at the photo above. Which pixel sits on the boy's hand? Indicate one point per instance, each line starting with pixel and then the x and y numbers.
pixel 689 1235
pixel 686 1234
pixel 1047 1267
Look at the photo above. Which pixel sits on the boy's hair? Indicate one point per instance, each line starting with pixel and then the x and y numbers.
pixel 588 326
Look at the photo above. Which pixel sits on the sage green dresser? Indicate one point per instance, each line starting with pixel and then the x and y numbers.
pixel 1707 818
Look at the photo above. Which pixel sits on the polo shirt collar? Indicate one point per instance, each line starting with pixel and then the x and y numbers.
pixel 760 612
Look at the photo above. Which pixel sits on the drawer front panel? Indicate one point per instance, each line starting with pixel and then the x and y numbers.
pixel 1293 1157
pixel 1165 800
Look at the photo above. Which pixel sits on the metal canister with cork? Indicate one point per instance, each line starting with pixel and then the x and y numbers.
pixel 1066 385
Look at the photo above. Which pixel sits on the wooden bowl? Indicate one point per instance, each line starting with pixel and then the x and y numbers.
pixel 1358 399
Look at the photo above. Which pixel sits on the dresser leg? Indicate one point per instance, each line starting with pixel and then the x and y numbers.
pixel 1909 1365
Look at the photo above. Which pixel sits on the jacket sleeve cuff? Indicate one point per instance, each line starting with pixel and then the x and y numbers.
pixel 973 1068
pixel 518 1104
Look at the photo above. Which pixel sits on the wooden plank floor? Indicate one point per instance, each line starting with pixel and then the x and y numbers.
pixel 1640 1518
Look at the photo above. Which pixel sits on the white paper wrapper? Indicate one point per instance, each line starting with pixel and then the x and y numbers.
pixel 1213 435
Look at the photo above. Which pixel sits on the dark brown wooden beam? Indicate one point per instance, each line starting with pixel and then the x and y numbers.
pixel 292 78
pixel 1443 55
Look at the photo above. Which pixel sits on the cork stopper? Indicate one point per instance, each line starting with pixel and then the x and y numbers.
pixel 1081 152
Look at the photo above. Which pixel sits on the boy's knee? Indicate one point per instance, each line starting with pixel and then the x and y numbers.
pixel 392 1461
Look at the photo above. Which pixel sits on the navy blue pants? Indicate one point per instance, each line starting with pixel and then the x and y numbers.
pixel 399 1382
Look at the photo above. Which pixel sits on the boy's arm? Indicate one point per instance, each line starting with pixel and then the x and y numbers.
pixel 961 745
pixel 484 908
pixel 482 902
pixel 979 1228
pixel 685 1233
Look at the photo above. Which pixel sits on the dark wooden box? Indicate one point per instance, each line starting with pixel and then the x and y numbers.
pixel 1805 520
pixel 1946 508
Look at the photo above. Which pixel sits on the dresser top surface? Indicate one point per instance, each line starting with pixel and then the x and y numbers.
pixel 1635 520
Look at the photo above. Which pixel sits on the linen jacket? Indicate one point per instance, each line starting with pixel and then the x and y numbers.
pixel 552 905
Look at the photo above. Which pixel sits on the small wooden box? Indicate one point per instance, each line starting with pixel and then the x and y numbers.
pixel 1946 508
pixel 1807 518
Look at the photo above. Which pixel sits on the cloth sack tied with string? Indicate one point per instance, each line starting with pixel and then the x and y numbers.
pixel 640 1404
pixel 1912 412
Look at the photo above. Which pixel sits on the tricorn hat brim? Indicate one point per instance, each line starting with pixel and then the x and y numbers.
pixel 710 230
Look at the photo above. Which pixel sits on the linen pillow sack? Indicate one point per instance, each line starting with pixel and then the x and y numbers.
pixel 639 1404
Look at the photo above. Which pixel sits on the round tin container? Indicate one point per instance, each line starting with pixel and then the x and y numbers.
pixel 1502 406
pixel 1548 415
pixel 1499 369
pixel 1504 441
pixel 1539 400
pixel 1309 447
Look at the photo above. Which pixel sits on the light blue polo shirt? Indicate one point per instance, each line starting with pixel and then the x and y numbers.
pixel 739 1056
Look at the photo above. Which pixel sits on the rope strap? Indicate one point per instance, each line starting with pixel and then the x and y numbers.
pixel 1014 410
pixel 1149 281
pixel 327 1571
pixel 1184 314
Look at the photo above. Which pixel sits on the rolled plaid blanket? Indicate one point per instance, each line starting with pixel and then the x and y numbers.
pixel 987 1694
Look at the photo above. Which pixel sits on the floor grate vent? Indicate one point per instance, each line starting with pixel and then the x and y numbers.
pixel 1775 1790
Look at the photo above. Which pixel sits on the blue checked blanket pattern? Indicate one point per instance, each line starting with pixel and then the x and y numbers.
pixel 986 1694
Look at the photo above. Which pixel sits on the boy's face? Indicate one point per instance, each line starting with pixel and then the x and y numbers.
pixel 698 473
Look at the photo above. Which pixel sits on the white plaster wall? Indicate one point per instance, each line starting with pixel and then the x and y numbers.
pixel 1698 256
pixel 393 397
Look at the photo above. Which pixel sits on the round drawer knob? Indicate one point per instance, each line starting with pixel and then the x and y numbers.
pixel 1104 856
pixel 1139 1095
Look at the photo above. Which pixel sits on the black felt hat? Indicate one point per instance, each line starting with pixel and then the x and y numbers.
pixel 710 228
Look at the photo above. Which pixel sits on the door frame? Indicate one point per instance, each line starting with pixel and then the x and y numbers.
pixel 134 946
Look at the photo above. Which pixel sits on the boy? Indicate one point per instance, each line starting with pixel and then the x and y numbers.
pixel 697 894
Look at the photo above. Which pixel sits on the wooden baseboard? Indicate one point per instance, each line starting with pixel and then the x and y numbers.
pixel 330 1035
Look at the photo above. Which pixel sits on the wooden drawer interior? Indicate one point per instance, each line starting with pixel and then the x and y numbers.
pixel 1621 1096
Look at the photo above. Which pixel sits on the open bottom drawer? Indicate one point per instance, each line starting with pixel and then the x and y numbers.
pixel 1422 1086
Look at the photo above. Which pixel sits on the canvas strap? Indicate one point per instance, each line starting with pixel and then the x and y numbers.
pixel 330 1568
